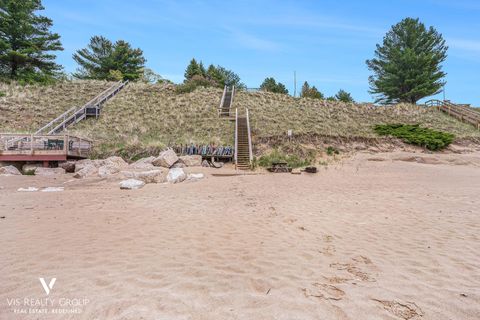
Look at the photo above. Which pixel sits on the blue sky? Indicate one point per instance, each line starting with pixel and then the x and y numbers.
pixel 325 42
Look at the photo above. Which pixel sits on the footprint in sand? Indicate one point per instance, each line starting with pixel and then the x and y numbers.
pixel 403 310
pixel 327 238
pixel 324 291
pixel 353 270
pixel 328 250
pixel 362 259
pixel 336 279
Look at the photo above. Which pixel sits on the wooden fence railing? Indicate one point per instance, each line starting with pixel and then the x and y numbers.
pixel 34 144
pixel 460 111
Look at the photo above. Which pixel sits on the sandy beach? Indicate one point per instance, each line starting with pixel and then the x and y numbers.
pixel 369 238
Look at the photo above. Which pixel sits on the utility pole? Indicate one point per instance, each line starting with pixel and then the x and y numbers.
pixel 443 92
pixel 294 84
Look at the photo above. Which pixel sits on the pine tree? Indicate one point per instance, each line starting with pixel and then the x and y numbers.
pixel 310 92
pixel 194 69
pixel 105 60
pixel 407 67
pixel 305 90
pixel 271 85
pixel 344 96
pixel 26 43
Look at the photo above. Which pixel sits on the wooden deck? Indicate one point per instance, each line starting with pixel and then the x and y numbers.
pixel 33 147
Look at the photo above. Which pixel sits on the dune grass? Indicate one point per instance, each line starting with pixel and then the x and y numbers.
pixel 26 108
pixel 274 114
pixel 144 118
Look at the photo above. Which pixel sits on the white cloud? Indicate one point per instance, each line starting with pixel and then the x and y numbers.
pixel 253 42
pixel 469 45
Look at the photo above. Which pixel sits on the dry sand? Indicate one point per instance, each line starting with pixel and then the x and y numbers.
pixel 372 238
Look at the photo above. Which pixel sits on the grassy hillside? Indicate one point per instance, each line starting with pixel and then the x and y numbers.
pixel 27 108
pixel 274 114
pixel 144 118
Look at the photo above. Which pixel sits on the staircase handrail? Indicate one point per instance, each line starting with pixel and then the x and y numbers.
pixel 223 97
pixel 231 97
pixel 466 110
pixel 67 115
pixel 235 157
pixel 249 138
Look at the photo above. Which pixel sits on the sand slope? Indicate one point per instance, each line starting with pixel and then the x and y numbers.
pixel 362 240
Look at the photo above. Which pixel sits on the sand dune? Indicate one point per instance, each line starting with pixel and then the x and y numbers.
pixel 361 240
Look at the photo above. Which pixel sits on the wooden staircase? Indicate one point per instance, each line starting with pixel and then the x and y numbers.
pixel 77 114
pixel 460 111
pixel 243 143
pixel 226 102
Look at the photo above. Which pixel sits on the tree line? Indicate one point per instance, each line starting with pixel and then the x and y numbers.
pixel 406 67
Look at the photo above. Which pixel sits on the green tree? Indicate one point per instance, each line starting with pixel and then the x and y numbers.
pixel 407 67
pixel 270 85
pixel 344 96
pixel 26 42
pixel 194 69
pixel 105 60
pixel 224 77
pixel 214 74
pixel 310 92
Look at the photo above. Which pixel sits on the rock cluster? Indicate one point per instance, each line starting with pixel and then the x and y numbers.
pixel 166 167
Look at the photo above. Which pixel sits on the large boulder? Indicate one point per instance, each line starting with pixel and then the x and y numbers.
pixel 131 184
pixel 111 166
pixel 40 171
pixel 179 164
pixel 115 162
pixel 108 170
pixel 166 159
pixel 9 171
pixel 191 161
pixel 81 164
pixel 68 166
pixel 144 163
pixel 86 171
pixel 30 168
pixel 176 175
pixel 150 176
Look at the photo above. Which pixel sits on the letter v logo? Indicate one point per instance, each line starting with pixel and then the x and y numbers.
pixel 48 287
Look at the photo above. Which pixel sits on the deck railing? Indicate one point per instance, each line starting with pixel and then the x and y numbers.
pixel 33 144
